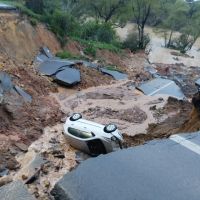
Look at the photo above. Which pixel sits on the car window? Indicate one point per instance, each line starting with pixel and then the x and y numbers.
pixel 79 133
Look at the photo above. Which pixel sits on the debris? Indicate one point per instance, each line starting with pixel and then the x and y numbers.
pixel 33 177
pixel 46 52
pixel 51 67
pixel 161 86
pixel 25 95
pixel 31 167
pixel 15 191
pixel 21 146
pixel 68 76
pixel 5 180
pixel 151 70
pixel 115 74
pixel 6 85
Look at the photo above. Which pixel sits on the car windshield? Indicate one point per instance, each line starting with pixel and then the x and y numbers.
pixel 79 133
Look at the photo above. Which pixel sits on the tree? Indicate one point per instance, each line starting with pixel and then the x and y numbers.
pixel 106 10
pixel 141 10
pixel 36 6
pixel 184 18
pixel 176 19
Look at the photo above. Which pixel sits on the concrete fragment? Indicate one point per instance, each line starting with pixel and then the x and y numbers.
pixel 68 76
pixel 15 191
pixel 161 86
pixel 115 74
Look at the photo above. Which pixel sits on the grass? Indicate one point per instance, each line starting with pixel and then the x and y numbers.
pixel 98 45
pixel 68 55
pixel 114 68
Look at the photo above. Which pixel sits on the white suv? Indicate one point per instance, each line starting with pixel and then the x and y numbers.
pixel 91 137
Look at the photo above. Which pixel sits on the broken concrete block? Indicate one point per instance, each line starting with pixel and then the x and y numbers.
pixel 15 191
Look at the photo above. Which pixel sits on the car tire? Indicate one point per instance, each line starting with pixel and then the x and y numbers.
pixel 75 117
pixel 110 128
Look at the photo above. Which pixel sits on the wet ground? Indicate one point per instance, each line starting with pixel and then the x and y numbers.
pixel 99 98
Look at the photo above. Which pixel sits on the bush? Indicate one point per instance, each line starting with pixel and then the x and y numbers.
pixel 62 24
pixel 132 42
pixel 183 43
pixel 33 21
pixel 90 50
pixel 64 54
pixel 68 55
pixel 98 32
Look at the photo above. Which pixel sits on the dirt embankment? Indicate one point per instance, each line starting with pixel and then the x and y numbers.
pixel 20 41
pixel 22 123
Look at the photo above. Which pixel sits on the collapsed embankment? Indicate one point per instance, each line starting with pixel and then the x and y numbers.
pixel 20 41
pixel 149 117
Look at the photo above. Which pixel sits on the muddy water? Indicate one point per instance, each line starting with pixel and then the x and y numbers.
pixel 159 54
pixel 116 103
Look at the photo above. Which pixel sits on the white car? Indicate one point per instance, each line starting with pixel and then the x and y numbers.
pixel 91 137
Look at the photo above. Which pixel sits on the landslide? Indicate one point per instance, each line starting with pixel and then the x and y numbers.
pixel 20 41
pixel 22 123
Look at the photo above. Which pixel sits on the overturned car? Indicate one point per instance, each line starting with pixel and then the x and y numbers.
pixel 91 137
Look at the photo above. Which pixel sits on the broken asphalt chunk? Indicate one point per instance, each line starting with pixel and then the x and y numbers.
pixel 46 52
pixel 161 86
pixel 22 93
pixel 5 82
pixel 115 74
pixel 51 67
pixel 68 76
pixel 15 191
pixel 6 85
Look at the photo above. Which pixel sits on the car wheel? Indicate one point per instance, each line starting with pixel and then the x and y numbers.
pixel 110 128
pixel 75 116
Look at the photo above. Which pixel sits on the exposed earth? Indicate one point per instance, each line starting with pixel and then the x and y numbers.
pixel 32 146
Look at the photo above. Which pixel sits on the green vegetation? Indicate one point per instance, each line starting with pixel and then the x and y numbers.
pixel 92 22
pixel 67 55
pixel 114 68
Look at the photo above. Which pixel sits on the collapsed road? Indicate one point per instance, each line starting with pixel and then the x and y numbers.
pixel 165 169
pixel 64 71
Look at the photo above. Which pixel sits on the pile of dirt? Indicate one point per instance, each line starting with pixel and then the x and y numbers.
pixel 178 113
pixel 31 81
pixel 132 115
pixel 92 78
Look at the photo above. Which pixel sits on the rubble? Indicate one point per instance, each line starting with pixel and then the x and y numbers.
pixel 66 72
pixel 161 86
pixel 15 190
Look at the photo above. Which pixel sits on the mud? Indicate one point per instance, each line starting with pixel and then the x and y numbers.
pixel 117 103
pixel 178 113
pixel 60 158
